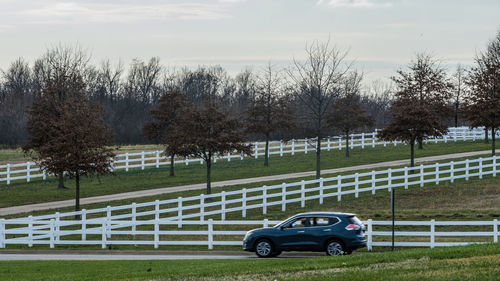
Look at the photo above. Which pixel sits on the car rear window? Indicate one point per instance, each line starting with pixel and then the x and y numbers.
pixel 354 220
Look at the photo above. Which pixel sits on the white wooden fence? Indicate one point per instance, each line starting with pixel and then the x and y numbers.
pixel 29 170
pixel 280 196
pixel 161 232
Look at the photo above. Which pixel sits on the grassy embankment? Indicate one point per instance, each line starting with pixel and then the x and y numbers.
pixel 475 262
pixel 20 192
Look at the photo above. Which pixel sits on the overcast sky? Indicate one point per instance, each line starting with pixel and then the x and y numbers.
pixel 381 35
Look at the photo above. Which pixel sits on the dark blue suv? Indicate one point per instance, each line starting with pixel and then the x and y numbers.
pixel 334 233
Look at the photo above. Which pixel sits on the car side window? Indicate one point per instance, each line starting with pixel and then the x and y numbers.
pixel 324 221
pixel 301 222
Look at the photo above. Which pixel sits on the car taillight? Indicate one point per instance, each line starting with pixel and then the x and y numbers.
pixel 353 227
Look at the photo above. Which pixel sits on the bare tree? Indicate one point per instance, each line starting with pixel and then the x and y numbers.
pixel 483 102
pixel 317 81
pixel 347 112
pixel 420 108
pixel 68 134
pixel 459 90
pixel 205 131
pixel 269 111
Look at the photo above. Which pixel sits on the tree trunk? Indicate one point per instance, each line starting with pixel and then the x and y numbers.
pixel 61 181
pixel 420 143
pixel 209 169
pixel 266 153
pixel 347 143
pixel 486 135
pixel 412 153
pixel 172 160
pixel 456 114
pixel 493 141
pixel 77 195
pixel 318 158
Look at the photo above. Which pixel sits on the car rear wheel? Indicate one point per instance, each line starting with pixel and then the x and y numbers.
pixel 264 248
pixel 334 248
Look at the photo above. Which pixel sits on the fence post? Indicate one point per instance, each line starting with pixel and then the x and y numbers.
pixel 293 147
pixel 302 194
pixel 406 177
pixel 433 229
pixel 339 187
pixel 126 162
pixel 28 171
pixel 103 234
pixel 328 144
pixel 229 157
pixel 370 237
pixel 373 139
pixel 202 207
pixel 157 234
pixel 389 179
pixel 362 140
pixel 495 231
pixel 186 160
pixel 215 157
pixel 244 203
pixel 179 212
pixel 321 187
pixel 84 224
pixel 264 199
pixel 210 234
pixel 283 197
pixel 256 150
pixel 339 144
pixel 223 205
pixel 494 166
pixel 373 182
pixel 466 169
pixel 157 209
pixel 421 175
pixel 134 208
pixel 2 233
pixel 8 173
pixel 437 173
pixel 58 216
pixel 112 164
pixel 52 230
pixel 452 171
pixel 356 185
pixel 480 167
pixel 305 145
pixel 266 223
pixel 157 159
pixel 30 231
pixel 281 148
pixel 44 175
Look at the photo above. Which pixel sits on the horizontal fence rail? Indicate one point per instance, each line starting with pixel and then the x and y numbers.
pixel 160 232
pixel 30 170
pixel 282 195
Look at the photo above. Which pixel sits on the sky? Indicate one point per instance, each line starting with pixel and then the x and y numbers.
pixel 380 36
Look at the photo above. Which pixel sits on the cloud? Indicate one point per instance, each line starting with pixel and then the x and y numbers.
pixel 72 12
pixel 354 3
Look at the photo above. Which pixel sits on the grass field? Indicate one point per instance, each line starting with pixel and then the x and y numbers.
pixel 19 193
pixel 474 262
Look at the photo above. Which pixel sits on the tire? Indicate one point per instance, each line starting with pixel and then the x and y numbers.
pixel 334 248
pixel 275 254
pixel 264 248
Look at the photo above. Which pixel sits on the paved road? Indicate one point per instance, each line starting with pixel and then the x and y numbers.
pixel 152 192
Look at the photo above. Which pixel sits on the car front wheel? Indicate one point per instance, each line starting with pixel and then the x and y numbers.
pixel 334 248
pixel 264 249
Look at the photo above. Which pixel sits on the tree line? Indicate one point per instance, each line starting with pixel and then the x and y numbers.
pixel 72 113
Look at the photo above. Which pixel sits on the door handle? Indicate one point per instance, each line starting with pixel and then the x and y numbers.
pixel 327 230
pixel 301 231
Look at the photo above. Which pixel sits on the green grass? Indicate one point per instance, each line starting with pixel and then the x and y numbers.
pixel 19 193
pixel 475 262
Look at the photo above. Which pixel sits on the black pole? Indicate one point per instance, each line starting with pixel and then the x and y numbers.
pixel 392 212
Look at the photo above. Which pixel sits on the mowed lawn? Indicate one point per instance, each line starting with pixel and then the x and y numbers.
pixel 20 192
pixel 474 262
